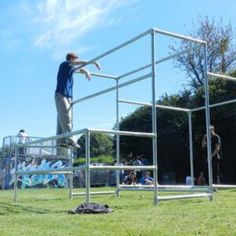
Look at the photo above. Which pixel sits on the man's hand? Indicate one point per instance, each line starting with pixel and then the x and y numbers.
pixel 218 156
pixel 97 65
pixel 86 73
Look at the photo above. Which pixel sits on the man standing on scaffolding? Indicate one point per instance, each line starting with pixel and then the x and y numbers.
pixel 215 155
pixel 64 95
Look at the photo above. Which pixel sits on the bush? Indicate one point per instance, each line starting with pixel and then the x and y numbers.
pixel 100 159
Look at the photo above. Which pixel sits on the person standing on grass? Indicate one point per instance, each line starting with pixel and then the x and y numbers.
pixel 64 95
pixel 215 154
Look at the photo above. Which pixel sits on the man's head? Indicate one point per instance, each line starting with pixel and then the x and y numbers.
pixel 71 56
pixel 212 129
pixel 148 173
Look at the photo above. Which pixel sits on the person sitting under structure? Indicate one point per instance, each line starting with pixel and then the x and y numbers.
pixel 131 178
pixel 147 179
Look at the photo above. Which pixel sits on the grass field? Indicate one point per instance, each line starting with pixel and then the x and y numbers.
pixel 44 212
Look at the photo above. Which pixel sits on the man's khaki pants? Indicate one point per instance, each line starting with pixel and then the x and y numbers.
pixel 64 117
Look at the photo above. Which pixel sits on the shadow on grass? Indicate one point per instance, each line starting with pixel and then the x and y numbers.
pixel 11 209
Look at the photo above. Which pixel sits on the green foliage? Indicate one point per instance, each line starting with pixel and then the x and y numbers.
pixel 99 159
pixel 101 144
pixel 221 50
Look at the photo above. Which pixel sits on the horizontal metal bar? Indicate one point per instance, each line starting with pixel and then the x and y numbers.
pixel 71 169
pixel 112 88
pixel 43 156
pixel 94 193
pixel 100 75
pixel 65 135
pixel 179 36
pixel 181 186
pixel 224 186
pixel 134 71
pixel 52 171
pixel 192 190
pixel 142 188
pixel 122 167
pixel 158 106
pixel 28 145
pixel 157 62
pixel 222 76
pixel 42 172
pixel 123 133
pixel 184 196
pixel 134 188
pixel 214 105
pixel 171 187
pixel 118 47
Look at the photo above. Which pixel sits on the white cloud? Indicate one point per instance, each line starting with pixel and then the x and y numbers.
pixel 58 23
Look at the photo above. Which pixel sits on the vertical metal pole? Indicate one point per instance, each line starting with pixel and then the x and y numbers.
pixel 191 146
pixel 70 175
pixel 117 141
pixel 154 118
pixel 87 155
pixel 12 146
pixel 207 114
pixel 40 149
pixel 16 176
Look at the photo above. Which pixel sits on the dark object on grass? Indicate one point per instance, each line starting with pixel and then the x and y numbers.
pixel 90 208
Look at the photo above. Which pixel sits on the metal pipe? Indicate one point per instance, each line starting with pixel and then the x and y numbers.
pixel 123 133
pixel 112 88
pixel 52 171
pixel 191 146
pixel 180 36
pixel 118 47
pixel 87 153
pixel 157 105
pixel 156 62
pixel 71 169
pixel 222 76
pixel 173 190
pixel 44 172
pixel 207 117
pixel 133 71
pixel 70 174
pixel 16 176
pixel 181 186
pixel 170 187
pixel 100 75
pixel 94 193
pixel 215 105
pixel 119 167
pixel 224 186
pixel 154 117
pixel 65 135
pixel 184 196
pixel 33 146
pixel 117 140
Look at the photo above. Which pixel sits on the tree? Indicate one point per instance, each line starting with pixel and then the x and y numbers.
pixel 101 144
pixel 172 130
pixel 220 51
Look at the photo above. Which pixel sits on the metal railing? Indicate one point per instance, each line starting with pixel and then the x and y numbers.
pixel 207 192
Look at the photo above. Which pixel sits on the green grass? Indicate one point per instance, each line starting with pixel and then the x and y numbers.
pixel 44 212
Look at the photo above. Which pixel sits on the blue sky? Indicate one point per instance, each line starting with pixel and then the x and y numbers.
pixel 36 35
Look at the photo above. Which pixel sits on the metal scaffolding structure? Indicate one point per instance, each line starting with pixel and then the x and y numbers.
pixel 194 191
